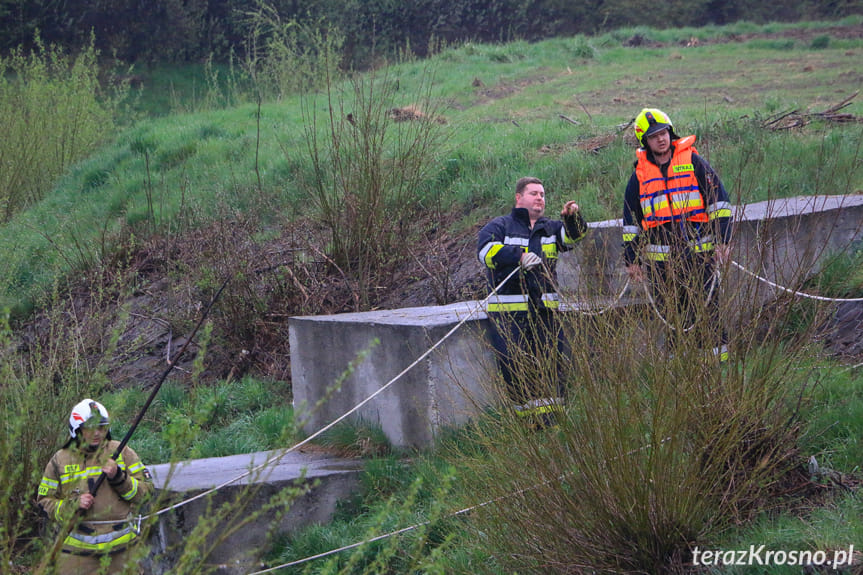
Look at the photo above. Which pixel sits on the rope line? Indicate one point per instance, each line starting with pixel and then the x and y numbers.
pixel 789 290
pixel 610 305
pixel 341 418
pixel 714 282
pixel 716 279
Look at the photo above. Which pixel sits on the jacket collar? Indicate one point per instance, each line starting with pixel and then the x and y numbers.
pixel 522 215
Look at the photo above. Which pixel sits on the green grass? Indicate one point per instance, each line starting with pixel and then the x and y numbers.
pixel 223 419
pixel 390 499
pixel 396 492
pixel 204 164
pixel 832 528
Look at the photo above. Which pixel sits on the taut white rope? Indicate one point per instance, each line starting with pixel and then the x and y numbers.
pixel 789 290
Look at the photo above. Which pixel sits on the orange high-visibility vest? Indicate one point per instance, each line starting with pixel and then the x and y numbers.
pixel 674 198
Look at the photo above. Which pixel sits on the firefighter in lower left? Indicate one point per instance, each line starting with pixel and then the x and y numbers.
pixel 101 540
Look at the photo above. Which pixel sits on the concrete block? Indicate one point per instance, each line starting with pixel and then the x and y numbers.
pixel 443 389
pixel 327 480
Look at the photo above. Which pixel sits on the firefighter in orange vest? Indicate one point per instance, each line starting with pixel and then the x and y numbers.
pixel 677 220
pixel 102 538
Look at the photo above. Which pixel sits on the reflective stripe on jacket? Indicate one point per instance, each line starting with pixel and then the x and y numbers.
pixel 696 230
pixel 519 302
pixel 501 243
pixel 110 542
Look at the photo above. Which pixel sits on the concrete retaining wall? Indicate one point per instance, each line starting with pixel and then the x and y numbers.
pixel 783 240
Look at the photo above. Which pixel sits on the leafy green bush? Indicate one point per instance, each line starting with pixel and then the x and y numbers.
pixel 582 48
pixel 290 56
pixel 54 113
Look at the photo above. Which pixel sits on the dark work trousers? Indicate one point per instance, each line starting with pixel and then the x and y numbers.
pixel 528 346
pixel 686 293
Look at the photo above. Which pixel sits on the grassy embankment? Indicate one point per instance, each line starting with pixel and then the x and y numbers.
pixel 170 174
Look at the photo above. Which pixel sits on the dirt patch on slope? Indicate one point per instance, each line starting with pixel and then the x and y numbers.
pixel 128 321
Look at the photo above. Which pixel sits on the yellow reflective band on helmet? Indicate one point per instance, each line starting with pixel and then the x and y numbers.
pixel 647 118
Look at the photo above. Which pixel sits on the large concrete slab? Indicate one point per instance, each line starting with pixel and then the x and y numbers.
pixel 322 482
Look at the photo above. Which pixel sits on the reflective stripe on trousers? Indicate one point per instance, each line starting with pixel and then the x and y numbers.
pixel 519 302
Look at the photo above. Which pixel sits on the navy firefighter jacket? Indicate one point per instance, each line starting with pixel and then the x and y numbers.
pixel 504 239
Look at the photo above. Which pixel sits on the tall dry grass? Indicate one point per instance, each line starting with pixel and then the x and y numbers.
pixel 662 447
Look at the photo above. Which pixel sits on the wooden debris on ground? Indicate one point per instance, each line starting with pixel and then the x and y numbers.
pixel 596 143
pixel 412 113
pixel 791 119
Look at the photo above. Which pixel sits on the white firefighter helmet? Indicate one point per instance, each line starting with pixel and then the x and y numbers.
pixel 83 411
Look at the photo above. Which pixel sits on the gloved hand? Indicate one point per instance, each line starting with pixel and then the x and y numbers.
pixel 529 260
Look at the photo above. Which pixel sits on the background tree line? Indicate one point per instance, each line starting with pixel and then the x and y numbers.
pixel 192 30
